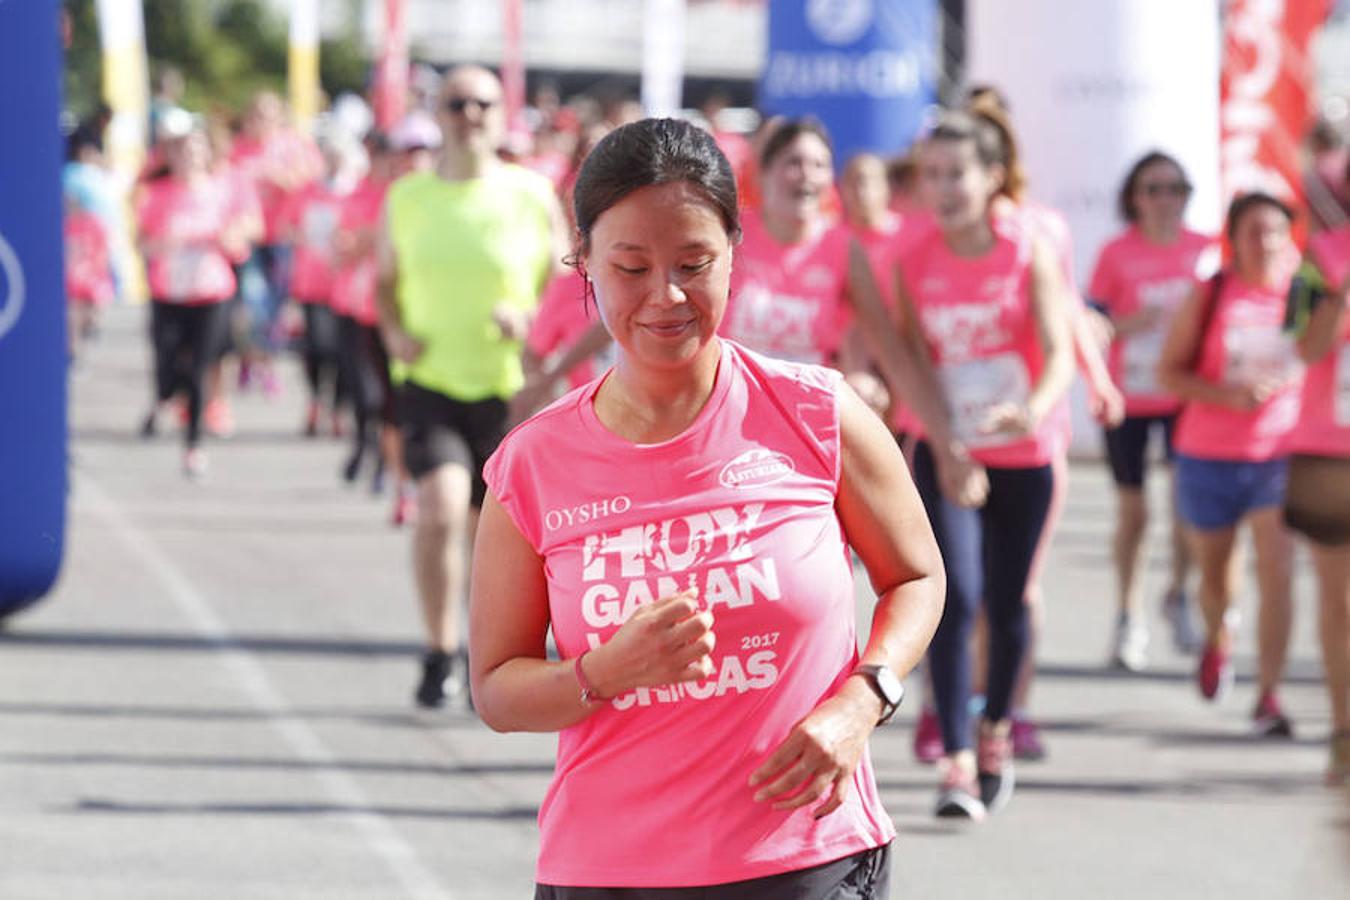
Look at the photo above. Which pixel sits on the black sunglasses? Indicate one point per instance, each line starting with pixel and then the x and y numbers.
pixel 457 105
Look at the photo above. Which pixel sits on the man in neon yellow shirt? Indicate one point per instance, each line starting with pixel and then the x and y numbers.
pixel 464 252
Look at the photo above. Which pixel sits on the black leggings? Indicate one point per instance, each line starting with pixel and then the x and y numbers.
pixel 365 376
pixel 322 353
pixel 185 339
pixel 988 553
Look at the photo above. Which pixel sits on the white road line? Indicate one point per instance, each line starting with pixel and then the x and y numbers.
pixel 379 835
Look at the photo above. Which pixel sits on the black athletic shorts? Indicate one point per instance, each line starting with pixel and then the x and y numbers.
pixel 1127 446
pixel 431 421
pixel 862 876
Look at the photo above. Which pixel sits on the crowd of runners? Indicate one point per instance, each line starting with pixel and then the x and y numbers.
pixel 426 277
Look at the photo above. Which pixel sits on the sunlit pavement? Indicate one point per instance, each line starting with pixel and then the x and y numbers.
pixel 216 702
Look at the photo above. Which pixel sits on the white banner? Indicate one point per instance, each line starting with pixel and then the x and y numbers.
pixel 663 57
pixel 1092 87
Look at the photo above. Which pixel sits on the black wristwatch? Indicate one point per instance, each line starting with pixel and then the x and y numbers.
pixel 886 685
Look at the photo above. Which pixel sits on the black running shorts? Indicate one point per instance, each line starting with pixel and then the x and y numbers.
pixel 431 422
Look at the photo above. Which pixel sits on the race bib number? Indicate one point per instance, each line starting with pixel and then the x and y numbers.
pixel 778 325
pixel 185 269
pixel 1139 362
pixel 976 387
pixel 320 225
pixel 1342 387
pixel 1258 354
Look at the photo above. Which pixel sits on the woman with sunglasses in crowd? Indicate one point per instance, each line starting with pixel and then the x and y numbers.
pixel 1141 278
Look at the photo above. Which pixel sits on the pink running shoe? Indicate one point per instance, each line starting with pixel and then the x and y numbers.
pixel 995 765
pixel 1026 739
pixel 218 419
pixel 928 737
pixel 959 794
pixel 1268 718
pixel 405 510
pixel 1215 675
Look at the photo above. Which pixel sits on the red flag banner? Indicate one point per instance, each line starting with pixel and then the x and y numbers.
pixel 1266 94
pixel 391 68
pixel 513 64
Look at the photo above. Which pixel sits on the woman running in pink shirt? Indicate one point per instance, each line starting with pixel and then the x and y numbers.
pixel 683 525
pixel 188 234
pixel 986 308
pixel 1228 358
pixel 1317 504
pixel 1142 277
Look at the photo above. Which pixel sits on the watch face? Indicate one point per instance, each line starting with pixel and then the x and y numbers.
pixel 890 686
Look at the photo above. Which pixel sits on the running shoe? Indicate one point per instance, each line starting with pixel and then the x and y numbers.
pixel 959 794
pixel 1338 769
pixel 1186 638
pixel 445 679
pixel 1215 674
pixel 995 766
pixel 271 385
pixel 1268 718
pixel 218 418
pixel 1129 650
pixel 928 747
pixel 352 468
pixel 194 464
pixel 405 510
pixel 1026 739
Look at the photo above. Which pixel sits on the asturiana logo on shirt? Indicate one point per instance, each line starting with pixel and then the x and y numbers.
pixel 756 467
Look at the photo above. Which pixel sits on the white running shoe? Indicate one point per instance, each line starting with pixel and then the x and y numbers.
pixel 1130 650
pixel 1186 638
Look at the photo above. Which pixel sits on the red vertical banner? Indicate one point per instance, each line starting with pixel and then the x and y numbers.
pixel 391 67
pixel 513 65
pixel 1266 94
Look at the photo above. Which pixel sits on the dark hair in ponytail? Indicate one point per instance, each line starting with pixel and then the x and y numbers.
pixel 986 127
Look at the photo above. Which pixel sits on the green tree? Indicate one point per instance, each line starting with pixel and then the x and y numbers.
pixel 227 50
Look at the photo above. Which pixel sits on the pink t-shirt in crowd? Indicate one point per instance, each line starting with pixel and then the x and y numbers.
pixel 88 272
pixel 560 321
pixel 652 789
pixel 353 288
pixel 244 202
pixel 285 151
pixel 1134 274
pixel 312 218
pixel 187 218
pixel 787 301
pixel 1021 221
pixel 1324 420
pixel 977 320
pixel 1244 344
pixel 883 247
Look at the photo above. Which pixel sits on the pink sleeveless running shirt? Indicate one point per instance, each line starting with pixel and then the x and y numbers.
pixel 1134 275
pixel 1324 422
pixel 1244 344
pixel 976 317
pixel 651 790
pixel 788 302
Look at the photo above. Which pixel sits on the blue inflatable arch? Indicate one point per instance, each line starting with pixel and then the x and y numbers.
pixel 32 305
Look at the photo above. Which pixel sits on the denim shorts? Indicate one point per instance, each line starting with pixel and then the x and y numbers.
pixel 1216 493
